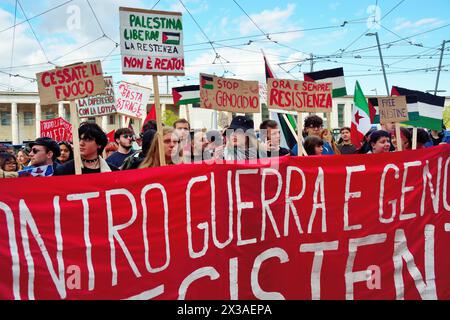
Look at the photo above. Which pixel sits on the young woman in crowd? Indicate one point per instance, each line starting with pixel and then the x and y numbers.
pixel 327 136
pixel 313 145
pixel 8 162
pixel 66 152
pixel 23 158
pixel 171 151
pixel 380 142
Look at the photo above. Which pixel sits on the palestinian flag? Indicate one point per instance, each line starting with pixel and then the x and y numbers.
pixel 171 38
pixel 430 107
pixel 186 95
pixel 411 102
pixel 360 117
pixel 335 76
pixel 286 122
pixel 206 81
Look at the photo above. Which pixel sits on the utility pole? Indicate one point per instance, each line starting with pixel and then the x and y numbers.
pixel 440 66
pixel 381 59
pixel 312 62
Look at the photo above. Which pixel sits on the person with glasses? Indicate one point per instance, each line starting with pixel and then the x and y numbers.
pixel 44 152
pixel 313 125
pixel 172 150
pixel 124 138
pixel 92 142
pixel 8 162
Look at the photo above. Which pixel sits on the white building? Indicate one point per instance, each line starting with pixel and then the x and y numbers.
pixel 21 113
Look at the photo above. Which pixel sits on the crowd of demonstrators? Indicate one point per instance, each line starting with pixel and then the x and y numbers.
pixel 237 141
pixel 66 151
pixel 124 138
pixel 92 142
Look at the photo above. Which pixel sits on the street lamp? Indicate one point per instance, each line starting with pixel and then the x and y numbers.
pixel 375 90
pixel 381 59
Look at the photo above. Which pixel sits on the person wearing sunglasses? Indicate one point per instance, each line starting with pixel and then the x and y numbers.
pixel 44 152
pixel 124 138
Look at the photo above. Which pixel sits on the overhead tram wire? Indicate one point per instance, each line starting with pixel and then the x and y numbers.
pixel 38 15
pixel 218 56
pixel 35 36
pixel 99 24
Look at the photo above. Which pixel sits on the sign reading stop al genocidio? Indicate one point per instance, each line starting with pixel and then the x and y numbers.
pixel 98 105
pixel 151 42
pixel 299 96
pixel 230 95
pixel 71 82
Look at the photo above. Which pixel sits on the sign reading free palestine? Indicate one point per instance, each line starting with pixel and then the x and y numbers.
pixel 151 42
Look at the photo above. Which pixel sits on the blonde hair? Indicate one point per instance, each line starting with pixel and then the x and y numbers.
pixel 151 160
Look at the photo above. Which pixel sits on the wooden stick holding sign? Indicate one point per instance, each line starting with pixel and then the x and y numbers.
pixel 300 148
pixel 399 137
pixel 70 83
pixel 159 127
pixel 414 138
pixel 75 138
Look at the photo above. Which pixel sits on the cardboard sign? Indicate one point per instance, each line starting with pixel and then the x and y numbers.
pixel 71 82
pixel 295 228
pixel 58 129
pixel 299 96
pixel 229 94
pixel 132 100
pixel 393 109
pixel 151 42
pixel 98 105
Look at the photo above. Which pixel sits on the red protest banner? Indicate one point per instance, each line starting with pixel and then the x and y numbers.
pixel 300 96
pixel 58 129
pixel 354 227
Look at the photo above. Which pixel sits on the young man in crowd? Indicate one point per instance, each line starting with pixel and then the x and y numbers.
pixel 313 125
pixel 346 146
pixel 270 139
pixel 124 138
pixel 182 129
pixel 92 142
pixel 44 152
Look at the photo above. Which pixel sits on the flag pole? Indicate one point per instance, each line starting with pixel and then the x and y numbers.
pixel 399 138
pixel 414 138
pixel 162 159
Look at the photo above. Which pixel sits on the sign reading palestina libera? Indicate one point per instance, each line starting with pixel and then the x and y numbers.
pixel 151 42
pixel 229 94
pixel 71 82
pixel 99 105
pixel 299 96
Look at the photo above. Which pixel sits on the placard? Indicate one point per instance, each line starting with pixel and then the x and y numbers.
pixel 230 95
pixel 393 109
pixel 71 82
pixel 58 129
pixel 299 96
pixel 99 105
pixel 132 100
pixel 151 42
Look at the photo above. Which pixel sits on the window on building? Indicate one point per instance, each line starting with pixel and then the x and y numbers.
pixel 28 118
pixel 90 120
pixel 49 114
pixel 112 119
pixel 341 122
pixel 5 118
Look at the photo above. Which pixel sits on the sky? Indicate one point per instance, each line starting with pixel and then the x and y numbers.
pixel 332 32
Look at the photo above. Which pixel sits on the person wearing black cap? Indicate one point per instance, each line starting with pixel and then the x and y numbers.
pixel 44 152
pixel 241 140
